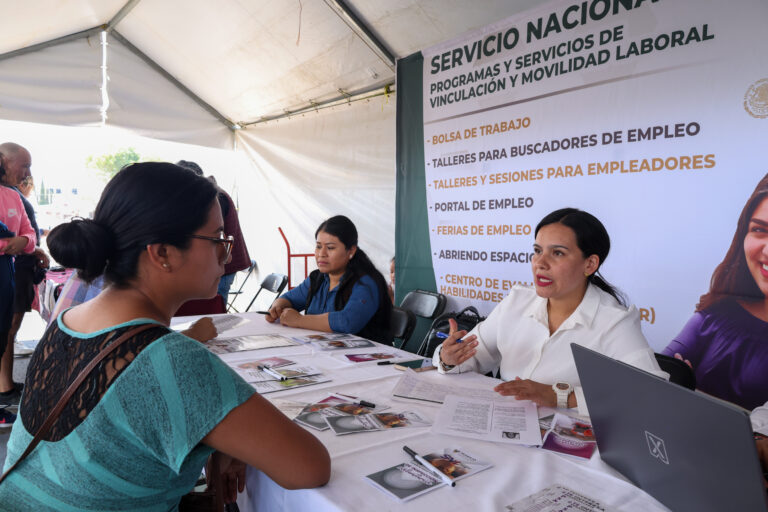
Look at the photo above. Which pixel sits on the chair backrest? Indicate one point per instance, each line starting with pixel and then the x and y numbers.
pixel 401 324
pixel 245 273
pixel 424 304
pixel 274 283
pixel 679 371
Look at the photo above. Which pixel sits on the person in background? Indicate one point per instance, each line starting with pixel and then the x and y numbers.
pixel 726 340
pixel 77 291
pixel 528 335
pixel 137 431
pixel 345 294
pixel 16 163
pixel 17 236
pixel 391 286
pixel 240 257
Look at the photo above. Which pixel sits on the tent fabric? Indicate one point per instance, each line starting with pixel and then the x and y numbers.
pixel 311 167
pixel 145 102
pixel 56 85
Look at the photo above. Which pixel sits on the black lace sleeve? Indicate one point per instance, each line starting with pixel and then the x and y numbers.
pixel 59 359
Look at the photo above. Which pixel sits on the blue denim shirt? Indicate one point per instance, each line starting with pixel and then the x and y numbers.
pixel 362 305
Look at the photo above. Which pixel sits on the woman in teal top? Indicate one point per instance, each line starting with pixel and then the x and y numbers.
pixel 137 432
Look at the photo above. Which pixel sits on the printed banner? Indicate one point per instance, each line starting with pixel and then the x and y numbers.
pixel 651 115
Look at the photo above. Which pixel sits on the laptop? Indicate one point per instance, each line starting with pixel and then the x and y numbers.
pixel 688 450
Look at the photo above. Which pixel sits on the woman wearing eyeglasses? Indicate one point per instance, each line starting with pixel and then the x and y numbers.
pixel 136 433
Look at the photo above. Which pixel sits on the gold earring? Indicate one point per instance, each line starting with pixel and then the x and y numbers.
pixel 586 274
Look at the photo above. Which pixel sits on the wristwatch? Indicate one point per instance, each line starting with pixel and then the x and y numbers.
pixel 562 390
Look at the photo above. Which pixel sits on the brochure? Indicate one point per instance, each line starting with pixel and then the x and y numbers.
pixel 313 415
pixel 272 362
pixel 369 356
pixel 373 422
pixel 557 498
pixel 456 463
pixel 503 420
pixel 271 386
pixel 572 436
pixel 241 343
pixel 405 481
pixel 326 336
pixel 287 372
pixel 409 480
pixel 342 344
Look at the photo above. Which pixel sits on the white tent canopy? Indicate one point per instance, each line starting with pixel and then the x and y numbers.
pixel 220 73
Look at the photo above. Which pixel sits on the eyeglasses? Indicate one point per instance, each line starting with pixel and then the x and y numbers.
pixel 226 240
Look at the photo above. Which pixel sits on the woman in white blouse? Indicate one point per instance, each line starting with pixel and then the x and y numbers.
pixel 528 335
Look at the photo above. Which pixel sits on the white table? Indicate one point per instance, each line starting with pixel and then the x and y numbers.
pixel 518 471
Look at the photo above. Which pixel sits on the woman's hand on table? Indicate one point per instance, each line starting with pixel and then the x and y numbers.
pixel 202 330
pixel 526 389
pixel 276 310
pixel 289 317
pixel 454 352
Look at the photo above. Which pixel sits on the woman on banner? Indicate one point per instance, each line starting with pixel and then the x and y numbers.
pixel 726 340
pixel 345 294
pixel 136 432
pixel 528 335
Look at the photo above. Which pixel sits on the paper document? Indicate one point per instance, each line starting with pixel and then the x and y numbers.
pixel 555 499
pixel 241 343
pixel 280 385
pixel 411 387
pixel 500 420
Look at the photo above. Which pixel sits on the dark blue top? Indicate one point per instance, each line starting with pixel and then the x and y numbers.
pixel 362 304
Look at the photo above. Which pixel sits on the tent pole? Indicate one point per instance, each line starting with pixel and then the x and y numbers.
pixel 157 67
pixel 122 13
pixel 358 26
pixel 346 97
pixel 53 42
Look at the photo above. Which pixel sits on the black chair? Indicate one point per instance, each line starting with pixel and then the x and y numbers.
pixel 401 325
pixel 426 306
pixel 679 371
pixel 274 283
pixel 246 273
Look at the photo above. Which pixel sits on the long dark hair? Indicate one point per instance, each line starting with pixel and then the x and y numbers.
pixel 360 265
pixel 591 237
pixel 731 277
pixel 145 203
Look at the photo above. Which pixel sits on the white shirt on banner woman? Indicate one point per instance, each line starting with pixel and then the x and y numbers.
pixel 528 335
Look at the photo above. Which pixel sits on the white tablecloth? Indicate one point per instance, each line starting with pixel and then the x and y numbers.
pixel 518 471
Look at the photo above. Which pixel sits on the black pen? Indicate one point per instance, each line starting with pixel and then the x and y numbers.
pixel 382 363
pixel 429 467
pixel 367 404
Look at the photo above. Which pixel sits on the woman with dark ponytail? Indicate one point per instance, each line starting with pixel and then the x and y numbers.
pixel 345 294
pixel 138 429
pixel 528 335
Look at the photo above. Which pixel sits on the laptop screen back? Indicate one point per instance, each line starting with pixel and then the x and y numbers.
pixel 688 450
